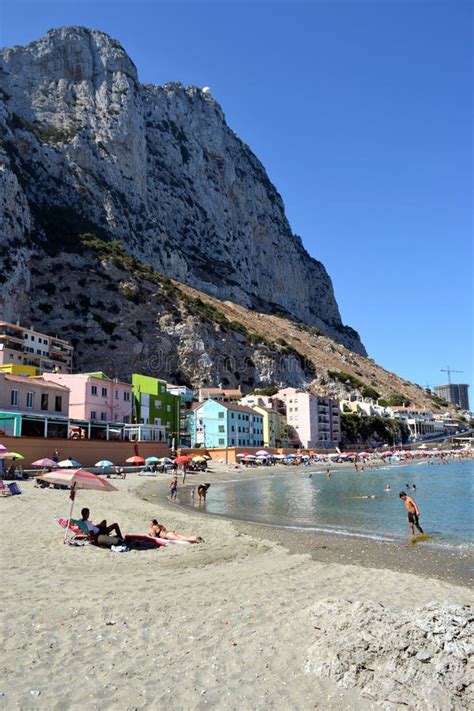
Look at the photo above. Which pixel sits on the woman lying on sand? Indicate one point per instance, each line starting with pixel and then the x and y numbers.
pixel 159 531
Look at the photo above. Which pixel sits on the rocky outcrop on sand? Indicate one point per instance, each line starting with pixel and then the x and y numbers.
pixel 421 659
pixel 155 167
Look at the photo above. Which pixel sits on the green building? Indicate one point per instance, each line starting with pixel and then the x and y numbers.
pixel 154 405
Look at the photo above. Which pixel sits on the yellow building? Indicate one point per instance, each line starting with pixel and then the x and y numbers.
pixel 275 431
pixel 19 369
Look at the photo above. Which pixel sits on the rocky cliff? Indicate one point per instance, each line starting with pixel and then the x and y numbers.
pixel 86 148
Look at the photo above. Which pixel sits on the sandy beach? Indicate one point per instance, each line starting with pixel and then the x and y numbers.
pixel 238 622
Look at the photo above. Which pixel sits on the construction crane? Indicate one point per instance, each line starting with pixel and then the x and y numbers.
pixel 449 370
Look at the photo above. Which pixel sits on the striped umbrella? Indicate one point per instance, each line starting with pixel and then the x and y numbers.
pixel 76 479
pixel 45 462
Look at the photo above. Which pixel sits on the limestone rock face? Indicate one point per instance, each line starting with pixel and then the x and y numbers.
pixel 87 148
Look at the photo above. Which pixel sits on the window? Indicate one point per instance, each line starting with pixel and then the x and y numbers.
pixel 221 415
pixel 32 338
pixel 221 428
pixel 168 408
pixel 44 401
pixel 157 420
pixel 38 351
pixel 93 415
pixel 126 418
pixel 232 415
pixel 14 398
pixel 103 416
pixel 158 404
pixel 233 428
pixel 232 442
pixel 126 397
pixel 116 394
pixel 93 389
pixel 58 403
pixel 221 441
pixel 105 392
pixel 29 399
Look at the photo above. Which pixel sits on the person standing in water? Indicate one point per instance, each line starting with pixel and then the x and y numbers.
pixel 174 488
pixel 413 513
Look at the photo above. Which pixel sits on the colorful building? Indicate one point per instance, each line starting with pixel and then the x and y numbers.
pixel 154 404
pixel 315 420
pixel 96 397
pixel 224 424
pixel 33 406
pixel 186 398
pixel 26 346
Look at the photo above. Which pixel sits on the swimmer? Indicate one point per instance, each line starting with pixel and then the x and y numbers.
pixel 413 486
pixel 328 473
pixel 388 488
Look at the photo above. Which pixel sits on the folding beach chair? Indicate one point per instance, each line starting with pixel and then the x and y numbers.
pixel 77 534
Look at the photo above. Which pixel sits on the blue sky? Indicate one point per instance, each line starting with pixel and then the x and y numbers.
pixel 361 113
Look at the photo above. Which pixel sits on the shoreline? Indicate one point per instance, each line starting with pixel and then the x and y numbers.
pixel 455 566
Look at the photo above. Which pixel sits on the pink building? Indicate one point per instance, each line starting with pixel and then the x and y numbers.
pixel 94 396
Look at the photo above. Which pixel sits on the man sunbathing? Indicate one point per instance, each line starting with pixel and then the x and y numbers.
pixel 99 534
pixel 157 530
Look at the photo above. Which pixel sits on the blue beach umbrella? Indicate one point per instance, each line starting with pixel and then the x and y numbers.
pixel 104 463
pixel 151 460
pixel 70 463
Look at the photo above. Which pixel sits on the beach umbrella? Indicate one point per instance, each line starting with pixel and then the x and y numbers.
pixel 11 455
pixel 45 462
pixel 104 463
pixel 151 460
pixel 244 454
pixel 279 456
pixel 135 460
pixel 262 453
pixel 165 460
pixel 2 448
pixel 292 456
pixel 183 459
pixel 70 463
pixel 198 458
pixel 76 479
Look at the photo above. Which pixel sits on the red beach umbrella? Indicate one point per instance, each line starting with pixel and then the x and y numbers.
pixel 135 460
pixel 184 459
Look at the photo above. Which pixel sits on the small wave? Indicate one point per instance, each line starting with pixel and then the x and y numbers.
pixel 336 531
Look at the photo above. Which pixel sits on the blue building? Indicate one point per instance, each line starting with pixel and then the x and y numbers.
pixel 223 424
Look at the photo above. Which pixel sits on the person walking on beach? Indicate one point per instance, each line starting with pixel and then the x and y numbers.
pixel 174 488
pixel 413 513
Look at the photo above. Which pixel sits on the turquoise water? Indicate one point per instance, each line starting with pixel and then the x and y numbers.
pixel 444 496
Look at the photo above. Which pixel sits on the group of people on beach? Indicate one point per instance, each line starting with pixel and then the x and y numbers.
pixel 201 491
pixel 107 535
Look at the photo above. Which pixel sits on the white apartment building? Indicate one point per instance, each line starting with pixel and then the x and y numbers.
pixel 316 420
pixel 419 422
pixel 26 346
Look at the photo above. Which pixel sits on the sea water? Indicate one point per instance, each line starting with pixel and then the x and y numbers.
pixel 307 499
